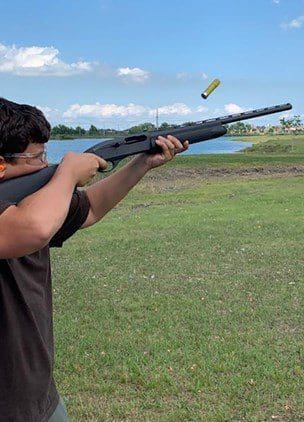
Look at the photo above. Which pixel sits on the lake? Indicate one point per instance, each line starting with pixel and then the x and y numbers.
pixel 57 149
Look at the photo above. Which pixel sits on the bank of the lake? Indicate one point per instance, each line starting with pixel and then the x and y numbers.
pixel 257 139
pixel 269 144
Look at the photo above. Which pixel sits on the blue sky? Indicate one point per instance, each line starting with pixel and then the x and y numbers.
pixel 113 62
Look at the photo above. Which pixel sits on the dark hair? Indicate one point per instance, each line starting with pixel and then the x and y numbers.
pixel 20 125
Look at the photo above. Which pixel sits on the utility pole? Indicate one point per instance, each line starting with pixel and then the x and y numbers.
pixel 156 117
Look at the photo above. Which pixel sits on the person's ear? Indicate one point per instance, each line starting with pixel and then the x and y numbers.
pixel 2 167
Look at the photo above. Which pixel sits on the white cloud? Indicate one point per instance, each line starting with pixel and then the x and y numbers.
pixel 276 1
pixel 182 75
pixel 233 108
pixel 294 24
pixel 201 109
pixel 35 61
pixel 45 61
pixel 50 113
pixel 186 76
pixel 285 115
pixel 125 116
pixel 98 110
pixel 179 109
pixel 134 75
pixel 102 111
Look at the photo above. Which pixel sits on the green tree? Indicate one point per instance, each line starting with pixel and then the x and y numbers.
pixel 271 130
pixel 61 130
pixel 284 124
pixel 80 131
pixel 141 128
pixel 93 130
pixel 238 128
pixel 297 123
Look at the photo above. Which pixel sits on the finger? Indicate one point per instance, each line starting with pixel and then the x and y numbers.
pixel 167 154
pixel 102 163
pixel 177 143
pixel 169 144
pixel 185 145
pixel 169 148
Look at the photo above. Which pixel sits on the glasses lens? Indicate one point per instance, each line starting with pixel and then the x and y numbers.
pixel 41 156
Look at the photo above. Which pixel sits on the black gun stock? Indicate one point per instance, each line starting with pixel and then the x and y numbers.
pixel 115 150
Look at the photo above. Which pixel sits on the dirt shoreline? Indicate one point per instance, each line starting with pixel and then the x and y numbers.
pixel 164 173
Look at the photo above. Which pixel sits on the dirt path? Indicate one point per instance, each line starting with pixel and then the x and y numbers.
pixel 168 174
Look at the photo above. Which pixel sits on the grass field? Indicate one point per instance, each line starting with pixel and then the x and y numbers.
pixel 295 143
pixel 186 302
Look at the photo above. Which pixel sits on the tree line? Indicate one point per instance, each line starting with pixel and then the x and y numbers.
pixel 287 125
pixel 66 132
pixel 293 124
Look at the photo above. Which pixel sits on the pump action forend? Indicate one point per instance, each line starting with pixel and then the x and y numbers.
pixel 115 150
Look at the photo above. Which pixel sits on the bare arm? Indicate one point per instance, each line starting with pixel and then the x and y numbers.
pixel 31 224
pixel 107 193
pixel 104 195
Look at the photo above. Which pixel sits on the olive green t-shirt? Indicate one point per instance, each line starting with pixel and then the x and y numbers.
pixel 27 388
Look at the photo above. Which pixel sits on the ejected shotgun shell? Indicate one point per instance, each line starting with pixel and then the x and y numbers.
pixel 214 84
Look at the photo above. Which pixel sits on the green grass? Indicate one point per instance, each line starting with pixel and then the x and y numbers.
pixel 274 143
pixel 236 160
pixel 186 302
pixel 280 144
pixel 256 139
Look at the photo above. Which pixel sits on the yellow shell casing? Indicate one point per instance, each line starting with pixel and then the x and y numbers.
pixel 214 84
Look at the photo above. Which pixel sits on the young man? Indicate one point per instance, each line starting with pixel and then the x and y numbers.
pixel 27 230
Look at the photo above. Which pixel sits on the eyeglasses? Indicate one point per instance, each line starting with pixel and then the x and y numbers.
pixel 41 155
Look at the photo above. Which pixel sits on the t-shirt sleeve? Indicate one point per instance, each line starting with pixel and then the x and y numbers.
pixel 4 205
pixel 77 215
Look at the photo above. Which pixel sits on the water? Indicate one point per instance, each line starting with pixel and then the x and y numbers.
pixel 224 145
